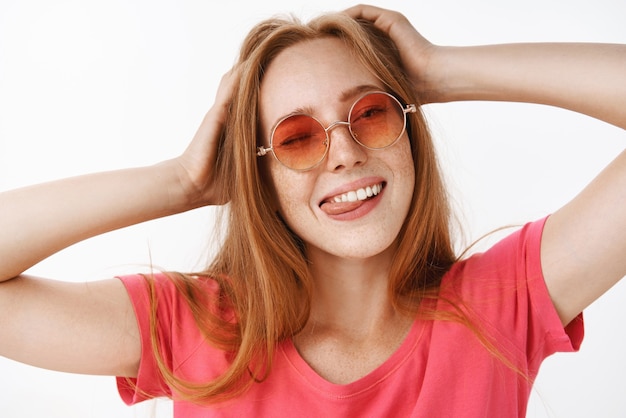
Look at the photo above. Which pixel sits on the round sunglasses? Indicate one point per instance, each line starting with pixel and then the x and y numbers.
pixel 300 142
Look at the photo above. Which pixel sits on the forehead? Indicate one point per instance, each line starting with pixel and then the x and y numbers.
pixel 312 76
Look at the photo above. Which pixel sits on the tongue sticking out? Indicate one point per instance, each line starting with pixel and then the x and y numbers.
pixel 337 208
pixel 349 201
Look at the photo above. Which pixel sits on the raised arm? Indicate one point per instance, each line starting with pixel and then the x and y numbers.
pixel 40 220
pixel 584 243
pixel 90 327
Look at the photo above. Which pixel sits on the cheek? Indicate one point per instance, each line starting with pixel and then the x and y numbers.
pixel 403 164
pixel 291 192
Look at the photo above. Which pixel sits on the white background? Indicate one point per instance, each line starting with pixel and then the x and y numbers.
pixel 89 86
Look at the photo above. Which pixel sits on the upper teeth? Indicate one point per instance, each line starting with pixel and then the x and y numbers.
pixel 359 194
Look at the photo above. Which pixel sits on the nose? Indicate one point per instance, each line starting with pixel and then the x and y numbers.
pixel 343 150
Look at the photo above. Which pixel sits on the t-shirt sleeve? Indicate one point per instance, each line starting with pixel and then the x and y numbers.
pixel 183 349
pixel 550 333
pixel 148 383
pixel 505 288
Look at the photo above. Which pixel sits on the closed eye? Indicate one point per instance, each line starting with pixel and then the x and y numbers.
pixel 294 140
pixel 369 112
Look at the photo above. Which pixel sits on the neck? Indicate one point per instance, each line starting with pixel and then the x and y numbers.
pixel 351 294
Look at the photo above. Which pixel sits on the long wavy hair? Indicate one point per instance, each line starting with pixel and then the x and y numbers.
pixel 261 268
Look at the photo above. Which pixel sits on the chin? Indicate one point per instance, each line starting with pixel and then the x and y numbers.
pixel 364 249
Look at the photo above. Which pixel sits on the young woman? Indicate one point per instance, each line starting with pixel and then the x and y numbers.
pixel 336 290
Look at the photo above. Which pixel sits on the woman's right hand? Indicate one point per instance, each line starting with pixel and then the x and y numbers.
pixel 197 164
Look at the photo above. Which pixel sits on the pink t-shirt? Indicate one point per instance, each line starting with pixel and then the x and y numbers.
pixel 440 370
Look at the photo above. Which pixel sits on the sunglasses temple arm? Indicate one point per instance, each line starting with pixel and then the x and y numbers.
pixel 261 151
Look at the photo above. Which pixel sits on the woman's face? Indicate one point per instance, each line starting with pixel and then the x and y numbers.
pixel 321 78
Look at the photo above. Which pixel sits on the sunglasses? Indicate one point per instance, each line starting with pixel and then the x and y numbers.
pixel 300 142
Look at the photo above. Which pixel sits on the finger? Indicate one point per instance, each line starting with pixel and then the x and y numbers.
pixel 390 22
pixel 226 89
pixel 207 136
pixel 364 11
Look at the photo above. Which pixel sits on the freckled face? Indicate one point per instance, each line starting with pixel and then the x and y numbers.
pixel 321 78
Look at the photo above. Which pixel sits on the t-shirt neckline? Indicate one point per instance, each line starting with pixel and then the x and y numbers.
pixel 311 378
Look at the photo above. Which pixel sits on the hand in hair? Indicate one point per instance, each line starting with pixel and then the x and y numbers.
pixel 198 162
pixel 416 52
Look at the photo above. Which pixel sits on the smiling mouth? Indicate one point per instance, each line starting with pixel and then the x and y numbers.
pixel 363 193
pixel 357 195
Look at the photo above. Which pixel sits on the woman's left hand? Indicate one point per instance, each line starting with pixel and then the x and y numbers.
pixel 417 53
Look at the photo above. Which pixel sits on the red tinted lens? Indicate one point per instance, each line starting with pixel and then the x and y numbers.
pixel 299 142
pixel 377 120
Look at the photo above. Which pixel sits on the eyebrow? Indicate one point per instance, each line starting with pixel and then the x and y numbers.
pixel 345 96
pixel 351 93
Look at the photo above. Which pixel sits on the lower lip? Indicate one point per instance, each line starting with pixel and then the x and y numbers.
pixel 367 206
